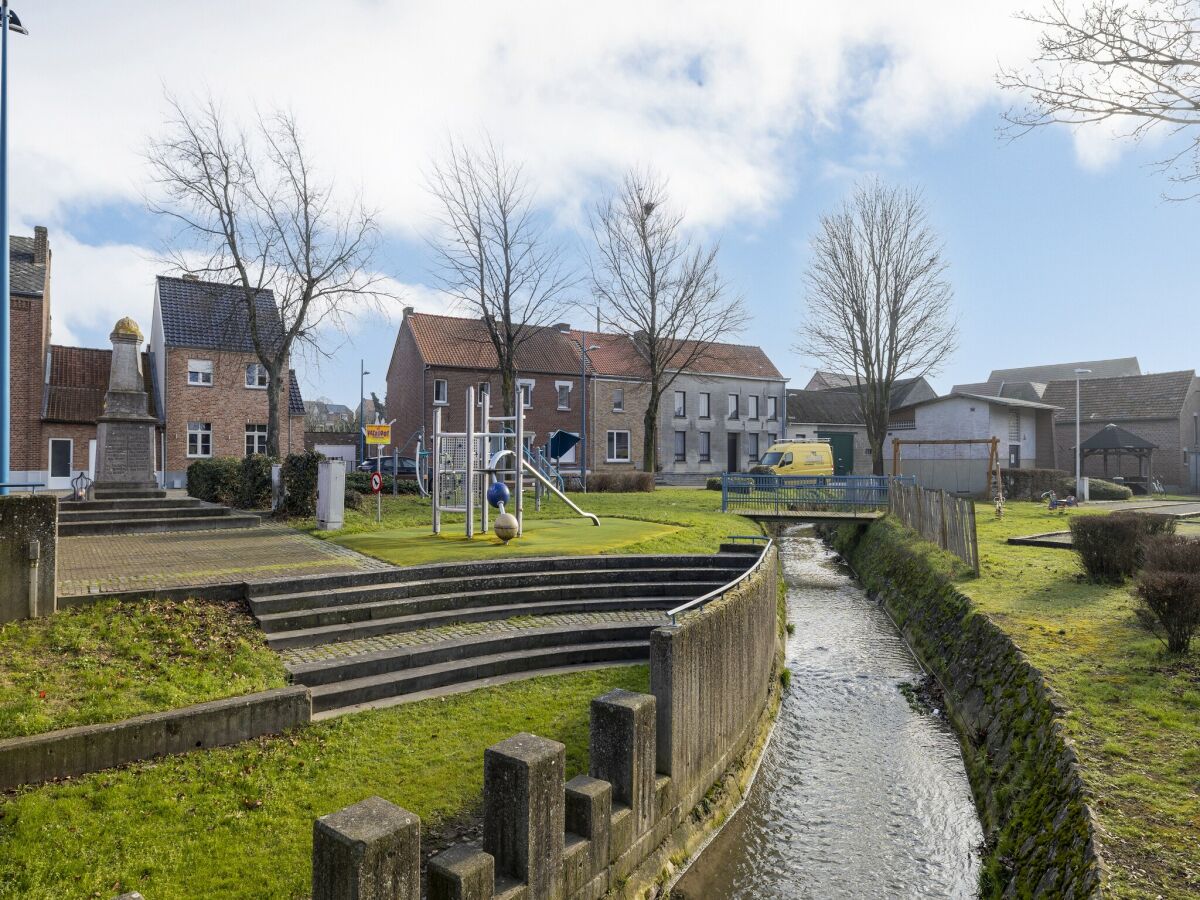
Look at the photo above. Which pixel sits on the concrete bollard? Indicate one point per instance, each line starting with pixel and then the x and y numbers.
pixel 589 815
pixel 462 873
pixel 368 851
pixel 524 811
pixel 623 752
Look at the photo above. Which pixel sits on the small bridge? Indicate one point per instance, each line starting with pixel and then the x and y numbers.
pixel 808 498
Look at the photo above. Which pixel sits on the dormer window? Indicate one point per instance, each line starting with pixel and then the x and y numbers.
pixel 256 376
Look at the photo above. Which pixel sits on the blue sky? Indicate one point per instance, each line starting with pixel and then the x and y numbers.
pixel 1060 246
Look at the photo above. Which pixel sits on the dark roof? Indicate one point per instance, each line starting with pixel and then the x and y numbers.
pixel 828 381
pixel 213 316
pixel 904 391
pixel 78 381
pixel 1160 396
pixel 295 401
pixel 1114 437
pixel 826 407
pixel 1101 368
pixel 996 401
pixel 25 277
pixel 1017 390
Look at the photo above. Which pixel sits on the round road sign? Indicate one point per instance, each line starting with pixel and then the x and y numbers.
pixel 376 482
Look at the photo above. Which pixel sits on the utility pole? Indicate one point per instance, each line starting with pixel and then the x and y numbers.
pixel 362 413
pixel 1078 447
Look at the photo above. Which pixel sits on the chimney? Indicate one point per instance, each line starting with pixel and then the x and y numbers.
pixel 408 311
pixel 189 276
pixel 564 327
pixel 41 245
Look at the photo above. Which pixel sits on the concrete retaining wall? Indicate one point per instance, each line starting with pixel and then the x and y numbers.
pixel 26 518
pixel 652 759
pixel 90 748
pixel 1040 832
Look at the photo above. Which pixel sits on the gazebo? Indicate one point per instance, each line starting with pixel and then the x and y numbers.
pixel 1116 440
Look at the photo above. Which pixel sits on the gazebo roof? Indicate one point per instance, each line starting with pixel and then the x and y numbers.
pixel 1113 437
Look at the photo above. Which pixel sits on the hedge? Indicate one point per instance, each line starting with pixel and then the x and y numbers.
pixel 254 482
pixel 300 482
pixel 361 482
pixel 215 480
pixel 1030 484
pixel 621 482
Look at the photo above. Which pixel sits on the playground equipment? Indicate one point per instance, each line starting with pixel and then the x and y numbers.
pixel 465 465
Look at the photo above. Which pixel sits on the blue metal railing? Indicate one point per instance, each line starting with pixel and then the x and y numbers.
pixel 31 486
pixel 783 494
pixel 541 462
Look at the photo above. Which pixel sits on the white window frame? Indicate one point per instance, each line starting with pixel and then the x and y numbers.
pixel 571 456
pixel 256 431
pixel 199 433
pixel 704 410
pixel 752 407
pixel 752 448
pixel 772 408
pixel 618 400
pixel 484 388
pixel 558 389
pixel 200 368
pixel 735 407
pixel 680 438
pixel 610 447
pixel 70 442
pixel 681 404
pixel 259 374
pixel 526 396
pixel 445 401
pixel 705 446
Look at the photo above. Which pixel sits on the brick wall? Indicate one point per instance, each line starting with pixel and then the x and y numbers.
pixel 1168 458
pixel 405 378
pixel 26 360
pixel 603 419
pixel 228 405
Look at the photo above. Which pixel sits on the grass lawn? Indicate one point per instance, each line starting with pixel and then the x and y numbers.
pixel 237 822
pixel 1133 711
pixel 112 660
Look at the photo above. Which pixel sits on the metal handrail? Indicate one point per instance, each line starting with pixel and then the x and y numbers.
pixel 711 594
pixel 31 485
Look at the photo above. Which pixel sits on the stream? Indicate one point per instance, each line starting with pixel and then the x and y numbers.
pixel 861 792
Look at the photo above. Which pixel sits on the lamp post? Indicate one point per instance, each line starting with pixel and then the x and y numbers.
pixel 1078 448
pixel 362 412
pixel 8 22
pixel 584 349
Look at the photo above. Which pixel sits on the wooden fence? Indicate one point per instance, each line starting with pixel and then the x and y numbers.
pixel 940 518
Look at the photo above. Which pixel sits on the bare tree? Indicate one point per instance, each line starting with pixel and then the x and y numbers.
pixel 658 287
pixel 493 254
pixel 1110 60
pixel 251 213
pixel 879 306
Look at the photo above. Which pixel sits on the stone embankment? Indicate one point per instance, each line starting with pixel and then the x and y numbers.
pixel 1040 832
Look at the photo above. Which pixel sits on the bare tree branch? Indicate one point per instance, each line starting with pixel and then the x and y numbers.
pixel 879 307
pixel 249 213
pixel 659 288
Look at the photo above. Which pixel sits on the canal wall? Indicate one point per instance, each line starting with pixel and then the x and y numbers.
pixel 664 770
pixel 1040 832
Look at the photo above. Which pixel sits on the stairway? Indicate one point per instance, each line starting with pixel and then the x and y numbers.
pixel 381 637
pixel 121 510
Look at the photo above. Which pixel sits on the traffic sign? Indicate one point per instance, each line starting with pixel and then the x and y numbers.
pixel 379 434
pixel 376 482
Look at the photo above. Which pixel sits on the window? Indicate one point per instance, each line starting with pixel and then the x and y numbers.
pixel 199 439
pixel 681 446
pixel 526 393
pixel 484 390
pixel 733 406
pixel 1014 426
pixel 60 457
pixel 441 392
pixel 772 408
pixel 772 439
pixel 618 446
pixel 752 446
pixel 705 446
pixel 563 389
pixel 680 404
pixel 705 411
pixel 569 457
pixel 200 372
pixel 256 375
pixel 618 399
pixel 256 439
pixel 752 406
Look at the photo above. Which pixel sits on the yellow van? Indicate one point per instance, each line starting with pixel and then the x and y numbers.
pixel 797 458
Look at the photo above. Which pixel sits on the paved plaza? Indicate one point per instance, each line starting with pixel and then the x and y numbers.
pixel 125 562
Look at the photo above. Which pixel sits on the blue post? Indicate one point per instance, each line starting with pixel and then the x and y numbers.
pixel 724 492
pixel 5 373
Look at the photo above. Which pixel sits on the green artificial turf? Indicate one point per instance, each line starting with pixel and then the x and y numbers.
pixel 237 822
pixel 112 660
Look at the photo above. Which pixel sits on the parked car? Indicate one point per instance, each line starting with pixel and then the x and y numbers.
pixel 407 466
pixel 796 458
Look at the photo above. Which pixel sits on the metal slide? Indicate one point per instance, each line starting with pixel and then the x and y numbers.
pixel 549 485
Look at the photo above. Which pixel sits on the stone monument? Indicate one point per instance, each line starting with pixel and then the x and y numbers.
pixel 125 433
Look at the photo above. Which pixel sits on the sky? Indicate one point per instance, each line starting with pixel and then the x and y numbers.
pixel 761 117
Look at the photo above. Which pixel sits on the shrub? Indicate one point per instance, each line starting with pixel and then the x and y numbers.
pixel 361 482
pixel 621 482
pixel 713 484
pixel 1169 590
pixel 215 480
pixel 1152 523
pixel 300 482
pixel 1108 545
pixel 254 482
pixel 354 499
pixel 1030 484
pixel 1098 489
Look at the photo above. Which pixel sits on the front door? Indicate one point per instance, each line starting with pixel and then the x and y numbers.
pixel 60 464
pixel 1014 456
pixel 731 459
pixel 842 445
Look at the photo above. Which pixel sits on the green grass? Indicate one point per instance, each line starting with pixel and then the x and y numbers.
pixel 1133 711
pixel 237 822
pixel 112 660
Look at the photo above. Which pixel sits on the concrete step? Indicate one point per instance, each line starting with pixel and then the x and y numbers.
pixel 328 697
pixel 364 665
pixel 166 523
pixel 207 510
pixel 348 631
pixel 152 503
pixel 373 593
pixel 532 564
pixel 127 494
pixel 458 603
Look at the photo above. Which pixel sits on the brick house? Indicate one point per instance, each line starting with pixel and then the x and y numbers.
pixel 618 395
pixel 436 358
pixel 212 388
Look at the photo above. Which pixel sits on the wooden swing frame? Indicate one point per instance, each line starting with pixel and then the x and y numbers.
pixel 993 468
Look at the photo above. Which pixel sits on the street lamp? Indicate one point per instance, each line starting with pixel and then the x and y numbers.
pixel 584 350
pixel 1078 448
pixel 8 22
pixel 362 412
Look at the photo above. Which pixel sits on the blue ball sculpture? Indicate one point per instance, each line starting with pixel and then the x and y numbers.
pixel 497 494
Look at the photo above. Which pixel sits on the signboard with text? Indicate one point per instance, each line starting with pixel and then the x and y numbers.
pixel 379 434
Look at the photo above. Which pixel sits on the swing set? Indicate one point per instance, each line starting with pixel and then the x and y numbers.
pixel 957 473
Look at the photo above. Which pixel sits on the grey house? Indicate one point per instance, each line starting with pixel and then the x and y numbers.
pixel 721 414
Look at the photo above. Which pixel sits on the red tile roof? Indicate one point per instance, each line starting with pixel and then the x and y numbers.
pixel 730 359
pixel 615 355
pixel 78 382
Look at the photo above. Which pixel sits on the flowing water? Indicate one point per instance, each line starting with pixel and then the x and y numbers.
pixel 859 793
